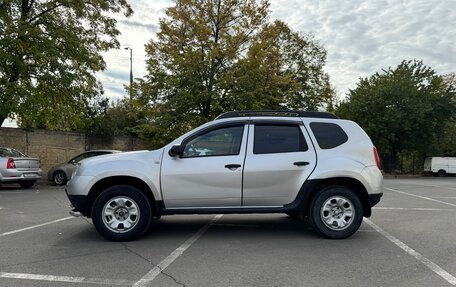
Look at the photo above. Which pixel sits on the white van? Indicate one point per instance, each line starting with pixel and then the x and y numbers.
pixel 440 165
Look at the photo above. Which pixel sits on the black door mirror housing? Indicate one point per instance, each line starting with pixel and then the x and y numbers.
pixel 176 150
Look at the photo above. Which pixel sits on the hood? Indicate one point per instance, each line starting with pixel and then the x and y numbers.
pixel 119 161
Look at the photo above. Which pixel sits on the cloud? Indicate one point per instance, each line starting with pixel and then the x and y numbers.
pixel 137 24
pixel 364 37
pixel 136 31
pixel 361 37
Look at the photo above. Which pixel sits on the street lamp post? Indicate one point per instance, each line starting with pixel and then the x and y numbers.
pixel 131 71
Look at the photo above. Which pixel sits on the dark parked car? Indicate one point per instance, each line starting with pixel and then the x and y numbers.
pixel 16 167
pixel 61 173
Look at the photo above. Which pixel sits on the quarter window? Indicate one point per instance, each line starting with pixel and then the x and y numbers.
pixel 218 142
pixel 328 135
pixel 278 139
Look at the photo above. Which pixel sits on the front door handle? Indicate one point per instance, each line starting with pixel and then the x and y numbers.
pixel 301 163
pixel 232 166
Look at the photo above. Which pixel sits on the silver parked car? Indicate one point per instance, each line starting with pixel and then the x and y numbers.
pixel 16 167
pixel 61 173
pixel 304 164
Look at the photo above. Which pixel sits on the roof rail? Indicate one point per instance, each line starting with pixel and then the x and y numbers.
pixel 274 113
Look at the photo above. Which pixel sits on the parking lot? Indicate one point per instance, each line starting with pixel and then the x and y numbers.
pixel 409 241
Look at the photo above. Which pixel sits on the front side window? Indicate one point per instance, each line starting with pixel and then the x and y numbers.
pixel 278 139
pixel 217 142
pixel 80 157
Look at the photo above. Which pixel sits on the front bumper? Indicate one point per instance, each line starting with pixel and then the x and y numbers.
pixel 79 203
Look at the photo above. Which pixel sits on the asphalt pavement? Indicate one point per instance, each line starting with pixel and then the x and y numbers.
pixel 408 241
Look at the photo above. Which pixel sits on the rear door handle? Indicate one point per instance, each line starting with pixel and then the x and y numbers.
pixel 232 166
pixel 301 163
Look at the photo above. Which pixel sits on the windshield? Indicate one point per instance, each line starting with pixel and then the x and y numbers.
pixel 9 152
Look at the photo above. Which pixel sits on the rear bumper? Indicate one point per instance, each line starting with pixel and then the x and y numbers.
pixel 15 175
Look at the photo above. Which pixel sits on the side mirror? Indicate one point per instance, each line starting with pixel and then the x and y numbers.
pixel 176 150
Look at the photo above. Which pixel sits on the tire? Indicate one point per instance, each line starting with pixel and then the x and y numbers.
pixel 59 178
pixel 121 213
pixel 336 212
pixel 27 184
pixel 441 173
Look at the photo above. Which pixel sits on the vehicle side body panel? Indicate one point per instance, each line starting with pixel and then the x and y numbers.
pixel 352 159
pixel 273 179
pixel 203 181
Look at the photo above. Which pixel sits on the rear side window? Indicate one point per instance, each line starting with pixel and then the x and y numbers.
pixel 7 152
pixel 328 135
pixel 278 139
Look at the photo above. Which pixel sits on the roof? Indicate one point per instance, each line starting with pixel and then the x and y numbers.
pixel 276 113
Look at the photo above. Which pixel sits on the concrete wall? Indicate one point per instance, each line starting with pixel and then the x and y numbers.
pixel 53 147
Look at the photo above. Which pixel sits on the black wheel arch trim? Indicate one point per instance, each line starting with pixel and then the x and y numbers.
pixel 84 203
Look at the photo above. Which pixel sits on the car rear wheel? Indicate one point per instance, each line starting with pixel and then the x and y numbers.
pixel 27 184
pixel 441 173
pixel 60 178
pixel 336 212
pixel 121 213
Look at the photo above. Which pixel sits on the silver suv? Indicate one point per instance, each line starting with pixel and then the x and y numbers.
pixel 304 164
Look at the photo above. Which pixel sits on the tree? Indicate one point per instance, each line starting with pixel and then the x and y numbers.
pixel 445 142
pixel 403 109
pixel 217 55
pixel 49 51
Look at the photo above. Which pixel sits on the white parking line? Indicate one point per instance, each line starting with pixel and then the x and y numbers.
pixel 428 263
pixel 68 279
pixel 411 208
pixel 439 186
pixel 445 187
pixel 422 197
pixel 154 272
pixel 34 226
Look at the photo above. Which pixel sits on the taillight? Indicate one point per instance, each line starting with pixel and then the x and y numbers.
pixel 10 163
pixel 377 158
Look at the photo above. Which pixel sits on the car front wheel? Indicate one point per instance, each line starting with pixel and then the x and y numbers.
pixel 60 178
pixel 121 213
pixel 336 212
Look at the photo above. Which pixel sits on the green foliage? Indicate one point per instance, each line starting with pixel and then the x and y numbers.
pixel 405 109
pixel 445 141
pixel 49 51
pixel 218 55
pixel 110 119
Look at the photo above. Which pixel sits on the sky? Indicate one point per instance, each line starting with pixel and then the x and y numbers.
pixel 361 37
